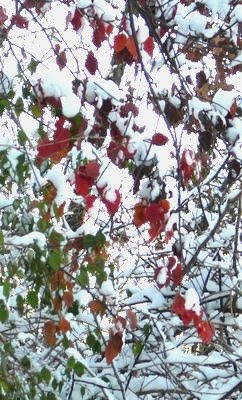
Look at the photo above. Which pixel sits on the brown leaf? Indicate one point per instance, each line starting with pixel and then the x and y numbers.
pixel 173 115
pixel 49 332
pixel 64 325
pixel 131 316
pixel 97 307
pixel 113 347
pixel 68 299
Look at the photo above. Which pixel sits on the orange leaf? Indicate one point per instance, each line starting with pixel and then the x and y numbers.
pixel 139 215
pixel 97 307
pixel 64 325
pixel 113 347
pixel 119 42
pixel 131 46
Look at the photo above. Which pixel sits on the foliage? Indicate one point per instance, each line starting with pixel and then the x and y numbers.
pixel 120 199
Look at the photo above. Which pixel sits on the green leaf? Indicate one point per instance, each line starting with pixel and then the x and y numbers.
pixel 79 368
pixel 33 65
pixel 93 343
pixel 6 288
pixel 4 103
pixel 19 106
pixel 1 240
pixel 20 304
pixel 147 329
pixel 36 110
pixel 89 241
pixel 82 278
pixel 50 396
pixel 3 312
pixel 45 375
pixel 100 240
pixel 25 362
pixel 70 363
pixel 55 259
pixel 54 384
pixel 90 340
pixel 22 138
pixel 137 347
pixel 32 299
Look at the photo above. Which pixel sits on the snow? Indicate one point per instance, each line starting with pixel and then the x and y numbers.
pixel 13 156
pixel 71 105
pixel 28 239
pixel 64 190
pixel 55 84
pixel 107 289
pixel 84 3
pixel 162 276
pixel 4 202
pixel 192 301
pixel 223 100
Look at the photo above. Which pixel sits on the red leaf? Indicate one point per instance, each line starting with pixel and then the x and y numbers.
pixel 112 206
pixel 90 199
pixel 57 148
pixel 159 139
pixel 3 16
pixel 188 316
pixel 206 331
pixel 91 63
pixel 187 164
pixel 131 46
pixel 61 60
pixel 113 347
pixel 165 205
pixel 109 29
pixel 99 34
pixel 83 184
pixel 139 215
pixel 20 21
pixel 178 306
pixel 177 274
pixel 77 20
pixel 92 169
pixel 149 46
pixel 162 277
pixel 127 108
pixel 120 42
